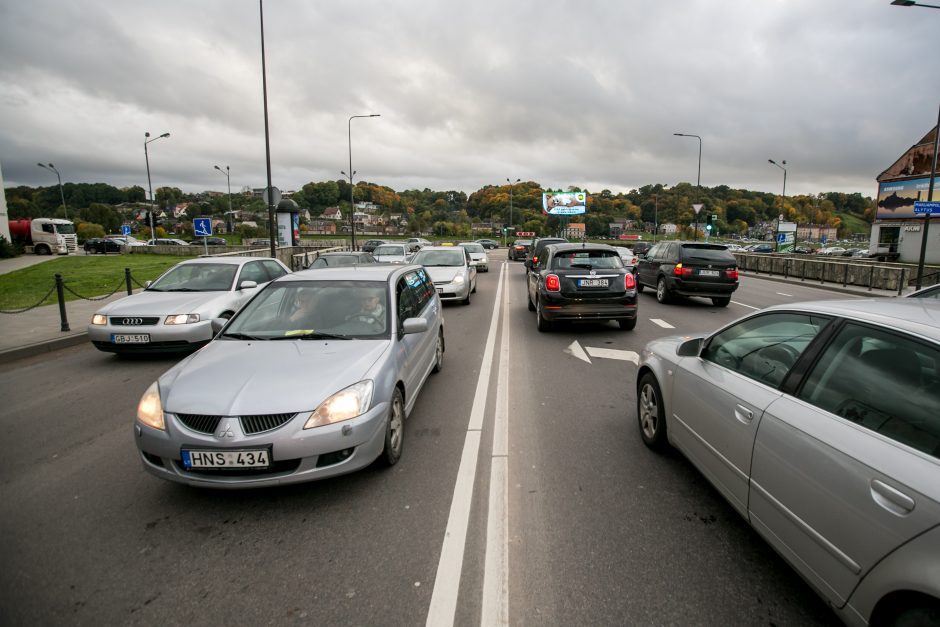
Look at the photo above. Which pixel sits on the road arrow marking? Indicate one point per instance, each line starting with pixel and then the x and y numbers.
pixel 574 349
pixel 612 353
pixel 662 323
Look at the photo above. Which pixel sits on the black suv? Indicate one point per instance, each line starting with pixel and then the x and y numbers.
pixel 639 248
pixel 537 249
pixel 689 269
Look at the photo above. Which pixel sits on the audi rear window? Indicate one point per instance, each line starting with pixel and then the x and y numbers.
pixel 706 252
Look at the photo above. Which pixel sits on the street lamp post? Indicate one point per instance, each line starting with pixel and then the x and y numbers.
pixel 911 3
pixel 783 198
pixel 698 180
pixel 352 202
pixel 228 178
pixel 149 184
pixel 933 175
pixel 511 183
pixel 61 193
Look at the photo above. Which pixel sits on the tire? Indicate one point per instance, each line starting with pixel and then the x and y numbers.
pixel 439 352
pixel 466 301
pixel 639 287
pixel 627 325
pixel 42 249
pixel 474 290
pixel 721 301
pixel 394 430
pixel 529 301
pixel 662 292
pixel 541 323
pixel 651 416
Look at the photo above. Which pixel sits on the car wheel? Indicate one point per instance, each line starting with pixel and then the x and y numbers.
pixel 439 352
pixel 662 292
pixel 627 325
pixel 42 249
pixel 639 287
pixel 541 323
pixel 394 430
pixel 721 301
pixel 651 414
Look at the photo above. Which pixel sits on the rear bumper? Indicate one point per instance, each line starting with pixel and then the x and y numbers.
pixel 700 288
pixel 555 307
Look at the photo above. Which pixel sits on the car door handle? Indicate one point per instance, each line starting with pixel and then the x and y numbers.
pixel 743 414
pixel 891 499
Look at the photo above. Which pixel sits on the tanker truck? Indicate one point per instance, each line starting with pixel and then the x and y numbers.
pixel 44 236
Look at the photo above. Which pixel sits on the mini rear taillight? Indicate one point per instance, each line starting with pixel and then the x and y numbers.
pixel 732 273
pixel 680 271
pixel 535 260
pixel 552 284
pixel 629 282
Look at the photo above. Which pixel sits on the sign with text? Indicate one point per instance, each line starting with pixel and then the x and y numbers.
pixel 564 203
pixel 525 233
pixel 927 207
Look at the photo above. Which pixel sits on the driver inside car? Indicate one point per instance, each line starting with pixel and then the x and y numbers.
pixel 370 309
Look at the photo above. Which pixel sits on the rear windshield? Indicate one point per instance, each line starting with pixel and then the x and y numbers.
pixel 389 250
pixel 706 252
pixel 587 259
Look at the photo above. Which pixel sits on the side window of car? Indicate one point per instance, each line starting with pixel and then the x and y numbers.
pixel 764 347
pixel 253 271
pixel 884 381
pixel 416 284
pixel 406 299
pixel 653 253
pixel 275 270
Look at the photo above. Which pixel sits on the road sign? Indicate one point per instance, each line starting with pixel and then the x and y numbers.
pixel 202 227
pixel 823 239
pixel 525 233
pixel 276 194
pixel 125 229
pixel 781 237
pixel 697 208
pixel 927 207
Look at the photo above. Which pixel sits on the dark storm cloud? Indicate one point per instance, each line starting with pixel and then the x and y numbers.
pixel 586 93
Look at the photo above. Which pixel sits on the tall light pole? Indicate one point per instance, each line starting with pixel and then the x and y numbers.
pixel 61 193
pixel 933 175
pixel 783 197
pixel 227 172
pixel 698 180
pixel 149 184
pixel 511 183
pixel 911 3
pixel 352 202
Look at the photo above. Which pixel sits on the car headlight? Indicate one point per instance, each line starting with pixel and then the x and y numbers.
pixel 182 319
pixel 344 405
pixel 458 279
pixel 150 409
pixel 99 319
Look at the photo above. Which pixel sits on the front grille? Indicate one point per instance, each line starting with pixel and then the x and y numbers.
pixel 259 424
pixel 251 425
pixel 199 422
pixel 134 321
pixel 285 466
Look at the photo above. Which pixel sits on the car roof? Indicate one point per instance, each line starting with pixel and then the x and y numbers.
pixel 914 315
pixel 368 272
pixel 566 247
pixel 439 248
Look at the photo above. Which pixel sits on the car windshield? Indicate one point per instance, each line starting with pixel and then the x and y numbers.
pixel 587 259
pixel 305 310
pixel 389 250
pixel 432 258
pixel 332 261
pixel 196 277
pixel 474 248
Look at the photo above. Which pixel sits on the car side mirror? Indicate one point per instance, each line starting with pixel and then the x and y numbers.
pixel 247 285
pixel 414 325
pixel 217 324
pixel 690 348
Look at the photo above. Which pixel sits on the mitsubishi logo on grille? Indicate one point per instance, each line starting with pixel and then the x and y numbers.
pixel 131 322
pixel 225 429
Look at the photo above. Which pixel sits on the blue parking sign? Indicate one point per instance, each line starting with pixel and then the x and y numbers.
pixel 202 227
pixel 125 229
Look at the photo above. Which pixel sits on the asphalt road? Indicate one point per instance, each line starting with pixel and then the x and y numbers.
pixel 598 529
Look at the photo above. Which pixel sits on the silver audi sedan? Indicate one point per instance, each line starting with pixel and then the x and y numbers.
pixel 820 424
pixel 312 378
pixel 174 313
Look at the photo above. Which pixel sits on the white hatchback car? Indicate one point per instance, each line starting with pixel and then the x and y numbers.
pixel 174 313
pixel 477 255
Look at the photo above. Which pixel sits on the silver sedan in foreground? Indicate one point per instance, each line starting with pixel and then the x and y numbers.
pixel 312 378
pixel 820 424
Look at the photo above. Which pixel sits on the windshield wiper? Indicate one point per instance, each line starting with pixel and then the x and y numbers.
pixel 243 336
pixel 311 335
pixel 181 289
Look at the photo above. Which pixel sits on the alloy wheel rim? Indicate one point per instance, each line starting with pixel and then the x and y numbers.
pixel 660 289
pixel 649 411
pixel 395 426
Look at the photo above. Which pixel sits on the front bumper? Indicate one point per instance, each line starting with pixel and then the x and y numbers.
pixel 452 291
pixel 295 452
pixel 163 338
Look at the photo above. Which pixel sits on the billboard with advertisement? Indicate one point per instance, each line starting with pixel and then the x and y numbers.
pixel 564 203
pixel 896 198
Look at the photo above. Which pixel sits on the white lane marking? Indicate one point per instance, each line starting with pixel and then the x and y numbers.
pixel 782 294
pixel 447 580
pixel 574 349
pixel 743 305
pixel 662 323
pixel 495 610
pixel 613 353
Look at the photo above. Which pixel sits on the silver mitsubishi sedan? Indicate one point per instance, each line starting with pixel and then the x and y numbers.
pixel 820 424
pixel 313 378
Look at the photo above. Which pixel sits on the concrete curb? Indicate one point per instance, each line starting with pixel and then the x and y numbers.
pixel 40 348
pixel 858 291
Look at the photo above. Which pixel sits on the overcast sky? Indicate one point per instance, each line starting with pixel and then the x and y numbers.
pixel 584 93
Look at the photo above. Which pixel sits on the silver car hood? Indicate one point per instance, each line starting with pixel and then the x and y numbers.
pixel 443 274
pixel 244 378
pixel 165 303
pixel 391 258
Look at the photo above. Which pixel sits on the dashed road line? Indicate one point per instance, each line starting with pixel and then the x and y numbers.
pixel 782 294
pixel 662 323
pixel 743 305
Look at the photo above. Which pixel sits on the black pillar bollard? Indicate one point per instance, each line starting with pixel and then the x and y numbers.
pixel 127 279
pixel 901 281
pixel 871 275
pixel 60 293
